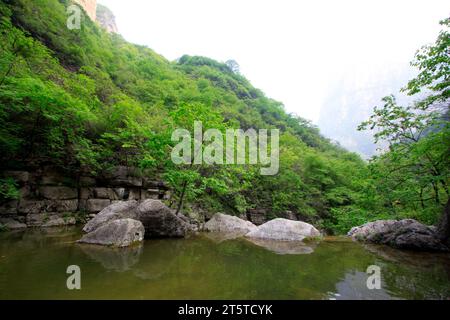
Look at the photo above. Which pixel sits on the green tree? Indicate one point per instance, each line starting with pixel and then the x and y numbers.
pixel 415 169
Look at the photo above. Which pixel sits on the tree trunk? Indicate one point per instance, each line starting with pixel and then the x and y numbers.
pixel 421 198
pixel 443 228
pixel 436 193
pixel 180 203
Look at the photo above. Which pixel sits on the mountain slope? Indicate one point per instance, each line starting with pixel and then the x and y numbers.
pixel 86 100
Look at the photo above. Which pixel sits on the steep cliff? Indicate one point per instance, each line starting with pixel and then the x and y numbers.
pixel 351 101
pixel 90 6
pixel 106 19
pixel 100 14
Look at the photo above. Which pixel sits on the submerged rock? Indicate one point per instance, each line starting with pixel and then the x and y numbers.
pixel 403 234
pixel 285 230
pixel 117 233
pixel 224 223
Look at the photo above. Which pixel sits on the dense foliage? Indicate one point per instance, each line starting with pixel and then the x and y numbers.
pixel 86 100
pixel 413 176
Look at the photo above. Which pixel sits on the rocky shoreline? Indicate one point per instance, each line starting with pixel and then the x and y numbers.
pixel 402 234
pixel 124 223
pixel 124 208
pixel 127 220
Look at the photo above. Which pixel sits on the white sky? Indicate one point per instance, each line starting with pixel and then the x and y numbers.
pixel 291 49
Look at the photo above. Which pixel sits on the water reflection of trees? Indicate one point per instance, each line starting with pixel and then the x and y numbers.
pixel 414 275
pixel 205 268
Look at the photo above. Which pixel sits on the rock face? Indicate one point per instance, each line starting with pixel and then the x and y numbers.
pixel 285 230
pixel 9 208
pixel 49 191
pixel 49 220
pixel 117 233
pixel 225 223
pixel 257 216
pixel 58 193
pixel 106 19
pixel 90 6
pixel 403 234
pixel 96 205
pixel 12 224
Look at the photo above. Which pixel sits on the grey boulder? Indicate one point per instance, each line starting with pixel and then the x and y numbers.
pixel 224 223
pixel 402 234
pixel 119 210
pixel 117 233
pixel 284 230
pixel 160 221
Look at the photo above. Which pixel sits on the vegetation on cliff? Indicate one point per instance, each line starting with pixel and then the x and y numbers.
pixel 86 100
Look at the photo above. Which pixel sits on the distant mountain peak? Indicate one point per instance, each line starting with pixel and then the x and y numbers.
pixel 100 14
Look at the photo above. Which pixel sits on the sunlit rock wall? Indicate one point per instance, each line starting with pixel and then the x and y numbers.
pixel 90 6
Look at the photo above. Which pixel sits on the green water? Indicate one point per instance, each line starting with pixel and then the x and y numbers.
pixel 33 266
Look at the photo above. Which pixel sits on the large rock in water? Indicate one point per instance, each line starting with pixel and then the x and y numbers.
pixel 403 234
pixel 224 223
pixel 117 233
pixel 119 210
pixel 160 221
pixel 285 230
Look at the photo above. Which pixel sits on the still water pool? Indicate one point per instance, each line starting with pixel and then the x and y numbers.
pixel 33 266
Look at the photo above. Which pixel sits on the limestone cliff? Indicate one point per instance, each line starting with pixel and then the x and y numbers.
pixel 90 6
pixel 106 19
pixel 51 197
pixel 100 14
